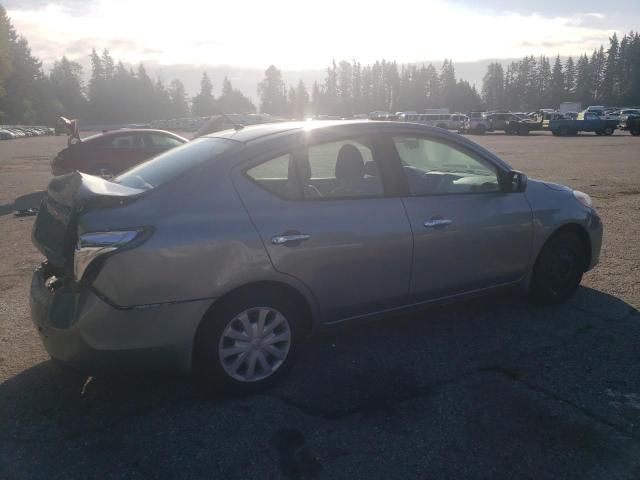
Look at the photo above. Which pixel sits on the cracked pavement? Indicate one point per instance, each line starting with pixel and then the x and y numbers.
pixel 492 388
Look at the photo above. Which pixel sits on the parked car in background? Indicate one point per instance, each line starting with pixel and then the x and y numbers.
pixel 441 120
pixel 112 152
pixel 631 124
pixel 6 135
pixel 218 256
pixel 476 122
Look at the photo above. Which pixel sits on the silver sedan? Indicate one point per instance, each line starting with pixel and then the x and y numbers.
pixel 218 256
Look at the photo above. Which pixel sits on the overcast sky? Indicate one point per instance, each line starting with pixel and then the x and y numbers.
pixel 304 34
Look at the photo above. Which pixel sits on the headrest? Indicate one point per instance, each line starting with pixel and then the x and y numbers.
pixel 349 164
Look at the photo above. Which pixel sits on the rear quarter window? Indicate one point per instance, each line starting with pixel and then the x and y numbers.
pixel 173 163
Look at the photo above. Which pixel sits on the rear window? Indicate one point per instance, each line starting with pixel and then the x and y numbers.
pixel 172 163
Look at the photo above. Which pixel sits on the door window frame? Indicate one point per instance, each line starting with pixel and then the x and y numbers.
pixel 400 178
pixel 379 148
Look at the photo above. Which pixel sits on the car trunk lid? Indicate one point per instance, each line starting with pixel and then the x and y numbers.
pixel 54 231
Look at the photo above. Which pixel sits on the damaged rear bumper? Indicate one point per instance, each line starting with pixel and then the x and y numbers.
pixel 82 330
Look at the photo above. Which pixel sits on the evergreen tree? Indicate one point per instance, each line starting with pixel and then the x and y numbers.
pixel 301 101
pixel 570 78
pixel 493 87
pixel 203 103
pixel 330 91
pixel 272 90
pixel 447 84
pixel 65 80
pixel 345 89
pixel 178 96
pixel 233 101
pixel 6 67
pixel 557 85
pixel 26 99
pixel 610 92
pixel 161 102
pixel 584 81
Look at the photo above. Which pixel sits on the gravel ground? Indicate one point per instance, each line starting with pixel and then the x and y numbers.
pixel 493 388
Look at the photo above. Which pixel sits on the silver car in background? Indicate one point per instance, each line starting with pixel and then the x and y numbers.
pixel 218 256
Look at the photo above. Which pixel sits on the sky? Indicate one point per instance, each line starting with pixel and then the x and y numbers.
pixel 305 34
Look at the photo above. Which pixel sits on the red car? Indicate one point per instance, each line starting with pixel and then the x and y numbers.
pixel 112 152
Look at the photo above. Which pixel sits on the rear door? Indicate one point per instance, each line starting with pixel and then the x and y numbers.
pixel 468 234
pixel 324 214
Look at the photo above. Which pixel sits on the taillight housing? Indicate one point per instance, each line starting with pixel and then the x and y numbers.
pixel 94 245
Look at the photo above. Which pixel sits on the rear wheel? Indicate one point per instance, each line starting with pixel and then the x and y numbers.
pixel 564 131
pixel 481 129
pixel 558 270
pixel 608 131
pixel 248 342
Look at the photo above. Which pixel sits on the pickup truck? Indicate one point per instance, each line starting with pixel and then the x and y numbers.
pixel 586 122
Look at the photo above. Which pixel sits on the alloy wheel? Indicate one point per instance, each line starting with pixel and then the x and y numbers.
pixel 254 344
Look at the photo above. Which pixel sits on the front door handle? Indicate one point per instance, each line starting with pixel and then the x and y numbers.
pixel 437 222
pixel 282 239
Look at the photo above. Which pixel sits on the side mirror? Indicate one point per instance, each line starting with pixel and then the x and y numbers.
pixel 515 182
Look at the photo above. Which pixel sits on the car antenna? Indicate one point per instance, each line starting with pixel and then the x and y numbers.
pixel 236 126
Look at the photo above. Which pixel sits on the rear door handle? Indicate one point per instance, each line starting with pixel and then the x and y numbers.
pixel 437 222
pixel 282 239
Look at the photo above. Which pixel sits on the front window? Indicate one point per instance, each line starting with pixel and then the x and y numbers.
pixel 435 168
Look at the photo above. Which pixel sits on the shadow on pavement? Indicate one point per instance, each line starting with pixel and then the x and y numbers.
pixel 493 388
pixel 29 200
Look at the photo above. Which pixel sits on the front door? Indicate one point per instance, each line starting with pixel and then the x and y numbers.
pixel 468 233
pixel 324 218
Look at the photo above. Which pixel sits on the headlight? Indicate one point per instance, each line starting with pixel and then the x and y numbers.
pixel 583 198
pixel 92 245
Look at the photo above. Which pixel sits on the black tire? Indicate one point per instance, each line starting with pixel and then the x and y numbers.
pixel 599 132
pixel 558 270
pixel 208 366
pixel 522 130
pixel 608 131
pixel 564 131
pixel 481 129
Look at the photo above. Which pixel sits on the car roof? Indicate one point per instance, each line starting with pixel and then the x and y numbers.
pixel 273 132
pixel 131 131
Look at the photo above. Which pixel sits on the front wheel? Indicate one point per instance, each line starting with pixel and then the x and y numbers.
pixel 558 270
pixel 247 343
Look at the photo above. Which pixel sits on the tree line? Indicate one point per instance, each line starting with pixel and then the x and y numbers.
pixel 113 94
pixel 116 93
pixel 606 77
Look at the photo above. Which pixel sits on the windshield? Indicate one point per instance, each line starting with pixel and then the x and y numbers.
pixel 170 164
